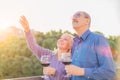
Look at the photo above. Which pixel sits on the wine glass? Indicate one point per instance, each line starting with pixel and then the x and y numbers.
pixel 45 63
pixel 66 60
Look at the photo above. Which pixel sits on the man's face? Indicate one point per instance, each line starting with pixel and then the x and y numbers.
pixel 79 21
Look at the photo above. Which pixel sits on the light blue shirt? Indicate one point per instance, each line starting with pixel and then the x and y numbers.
pixel 91 51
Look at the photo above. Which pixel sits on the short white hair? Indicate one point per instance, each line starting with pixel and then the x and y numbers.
pixel 71 38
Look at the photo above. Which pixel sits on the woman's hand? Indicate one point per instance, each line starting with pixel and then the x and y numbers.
pixel 49 70
pixel 23 21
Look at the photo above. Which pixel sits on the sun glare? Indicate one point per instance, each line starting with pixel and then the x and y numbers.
pixel 3 30
pixel 4 25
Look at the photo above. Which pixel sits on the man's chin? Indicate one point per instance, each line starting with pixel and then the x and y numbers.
pixel 75 27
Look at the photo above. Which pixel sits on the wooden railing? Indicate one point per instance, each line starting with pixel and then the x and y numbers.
pixel 26 78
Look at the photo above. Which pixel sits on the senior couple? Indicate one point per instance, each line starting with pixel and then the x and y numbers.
pixel 90 52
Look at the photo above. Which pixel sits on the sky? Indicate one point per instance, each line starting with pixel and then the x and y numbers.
pixel 46 15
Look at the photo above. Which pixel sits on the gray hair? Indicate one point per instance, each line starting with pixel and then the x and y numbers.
pixel 71 38
pixel 86 15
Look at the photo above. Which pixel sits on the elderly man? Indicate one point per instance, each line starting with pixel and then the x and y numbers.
pixel 91 54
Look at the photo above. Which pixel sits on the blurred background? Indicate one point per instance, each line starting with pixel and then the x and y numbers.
pixel 48 20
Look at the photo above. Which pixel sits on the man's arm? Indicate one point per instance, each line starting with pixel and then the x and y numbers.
pixel 106 69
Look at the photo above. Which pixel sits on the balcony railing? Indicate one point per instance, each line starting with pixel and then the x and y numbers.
pixel 26 78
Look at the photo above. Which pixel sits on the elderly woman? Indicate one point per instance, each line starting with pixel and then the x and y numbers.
pixel 56 70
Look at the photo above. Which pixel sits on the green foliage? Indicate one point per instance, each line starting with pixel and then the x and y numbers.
pixel 49 39
pixel 16 60
pixel 114 42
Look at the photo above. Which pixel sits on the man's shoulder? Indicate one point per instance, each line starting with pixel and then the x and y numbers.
pixel 97 35
pixel 99 38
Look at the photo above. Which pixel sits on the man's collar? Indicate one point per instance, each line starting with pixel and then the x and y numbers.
pixel 83 36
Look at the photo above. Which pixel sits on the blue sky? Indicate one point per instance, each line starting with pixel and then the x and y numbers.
pixel 46 15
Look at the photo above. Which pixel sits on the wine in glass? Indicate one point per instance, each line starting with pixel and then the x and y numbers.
pixel 66 60
pixel 45 63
